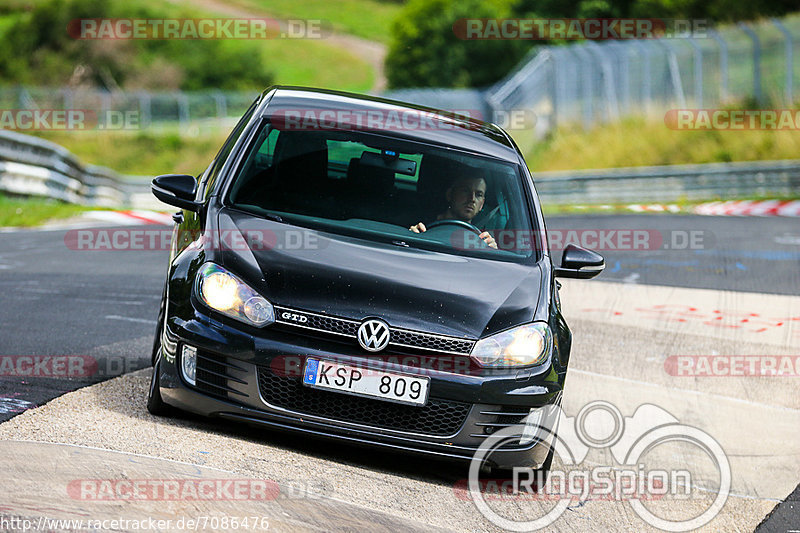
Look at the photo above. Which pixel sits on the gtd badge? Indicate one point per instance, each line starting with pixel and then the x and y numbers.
pixel 294 317
pixel 373 335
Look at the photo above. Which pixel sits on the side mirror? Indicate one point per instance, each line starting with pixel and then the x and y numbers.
pixel 177 190
pixel 580 263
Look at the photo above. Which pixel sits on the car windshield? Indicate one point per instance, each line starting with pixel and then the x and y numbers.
pixel 377 187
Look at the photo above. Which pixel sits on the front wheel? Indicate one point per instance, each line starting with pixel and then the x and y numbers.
pixel 543 472
pixel 155 404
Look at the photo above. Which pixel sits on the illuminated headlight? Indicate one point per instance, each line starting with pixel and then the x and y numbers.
pixel 189 363
pixel 525 345
pixel 226 293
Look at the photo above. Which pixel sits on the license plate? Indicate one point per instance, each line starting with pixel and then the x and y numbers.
pixel 400 388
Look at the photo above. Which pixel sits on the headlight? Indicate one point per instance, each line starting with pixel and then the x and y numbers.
pixel 521 346
pixel 226 293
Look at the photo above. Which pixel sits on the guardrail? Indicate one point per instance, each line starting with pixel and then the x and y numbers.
pixel 35 167
pixel 31 166
pixel 673 183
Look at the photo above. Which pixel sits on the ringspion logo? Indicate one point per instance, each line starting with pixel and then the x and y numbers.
pixel 634 477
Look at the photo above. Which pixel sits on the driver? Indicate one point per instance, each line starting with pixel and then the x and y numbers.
pixel 465 199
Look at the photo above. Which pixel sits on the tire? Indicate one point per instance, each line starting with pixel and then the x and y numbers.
pixel 155 404
pixel 548 462
pixel 543 471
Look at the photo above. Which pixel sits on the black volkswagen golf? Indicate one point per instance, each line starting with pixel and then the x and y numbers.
pixel 366 270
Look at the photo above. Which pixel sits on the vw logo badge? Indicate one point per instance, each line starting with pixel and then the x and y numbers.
pixel 373 335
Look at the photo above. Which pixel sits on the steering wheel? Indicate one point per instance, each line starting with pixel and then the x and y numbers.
pixel 455 222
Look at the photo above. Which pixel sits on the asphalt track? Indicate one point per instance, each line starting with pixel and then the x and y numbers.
pixel 102 305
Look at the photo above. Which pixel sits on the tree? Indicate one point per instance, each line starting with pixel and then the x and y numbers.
pixel 426 52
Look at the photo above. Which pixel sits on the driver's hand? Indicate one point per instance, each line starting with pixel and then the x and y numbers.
pixel 420 228
pixel 487 238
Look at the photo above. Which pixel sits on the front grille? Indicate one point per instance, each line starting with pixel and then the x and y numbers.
pixel 402 338
pixel 437 343
pixel 213 373
pixel 437 417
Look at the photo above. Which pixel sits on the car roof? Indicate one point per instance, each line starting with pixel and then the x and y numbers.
pixel 440 127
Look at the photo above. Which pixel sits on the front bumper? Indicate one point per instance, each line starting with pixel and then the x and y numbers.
pixel 256 380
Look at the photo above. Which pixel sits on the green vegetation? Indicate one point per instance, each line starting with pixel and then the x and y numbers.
pixel 33 212
pixel 633 142
pixel 315 64
pixel 36 49
pixel 715 10
pixel 369 19
pixel 145 153
pixel 426 52
pixel 638 142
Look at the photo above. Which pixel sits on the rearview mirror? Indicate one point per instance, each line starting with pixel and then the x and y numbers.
pixel 389 162
pixel 177 190
pixel 580 263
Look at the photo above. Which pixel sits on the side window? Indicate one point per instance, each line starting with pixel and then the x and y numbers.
pixel 211 174
pixel 266 151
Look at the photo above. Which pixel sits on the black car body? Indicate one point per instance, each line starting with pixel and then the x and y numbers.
pixel 295 243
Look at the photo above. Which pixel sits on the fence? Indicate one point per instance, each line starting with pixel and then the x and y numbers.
pixel 672 183
pixel 595 82
pixel 151 109
pixel 586 83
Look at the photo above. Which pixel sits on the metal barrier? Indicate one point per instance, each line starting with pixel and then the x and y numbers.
pixel 31 166
pixel 34 167
pixel 674 183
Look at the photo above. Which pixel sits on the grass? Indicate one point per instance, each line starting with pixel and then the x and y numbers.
pixel 145 153
pixel 369 19
pixel 316 64
pixel 26 212
pixel 638 142
pixel 634 142
pixel 307 62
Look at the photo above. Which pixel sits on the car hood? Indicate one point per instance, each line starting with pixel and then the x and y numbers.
pixel 312 270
